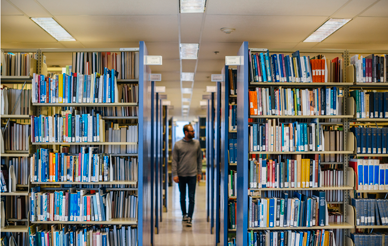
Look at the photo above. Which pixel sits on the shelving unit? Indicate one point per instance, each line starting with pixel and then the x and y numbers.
pixel 165 147
pixel 201 126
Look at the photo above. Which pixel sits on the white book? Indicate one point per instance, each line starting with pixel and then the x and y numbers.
pixel 80 98
pixel 92 84
pixel 100 91
pixel 297 238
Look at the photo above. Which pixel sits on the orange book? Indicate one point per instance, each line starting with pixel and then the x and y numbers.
pixel 68 167
pixel 304 238
pixel 51 168
pixel 323 73
pixel 302 171
pixel 252 103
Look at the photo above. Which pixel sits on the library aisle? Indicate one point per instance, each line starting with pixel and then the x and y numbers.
pixel 174 232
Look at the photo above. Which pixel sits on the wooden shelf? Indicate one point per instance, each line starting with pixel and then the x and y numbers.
pixel 88 143
pixel 122 155
pixel 233 131
pixel 372 227
pixel 15 116
pixel 232 164
pixel 14 155
pixel 316 188
pixel 85 104
pixel 289 84
pixel 16 193
pixel 17 228
pixel 232 197
pixel 120 117
pixel 128 81
pixel 342 225
pixel 110 222
pixel 16 79
pixel 332 163
pixel 371 119
pixel 232 230
pixel 88 183
pixel 300 152
pixel 232 96
pixel 371 191
pixel 369 85
pixel 371 155
pixel 302 116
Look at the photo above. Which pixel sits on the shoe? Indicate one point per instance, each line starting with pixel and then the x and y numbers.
pixel 185 218
pixel 189 222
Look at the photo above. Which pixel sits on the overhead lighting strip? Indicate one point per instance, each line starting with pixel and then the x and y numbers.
pixel 53 28
pixel 328 28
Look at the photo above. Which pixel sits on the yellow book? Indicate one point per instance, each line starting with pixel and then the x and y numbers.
pixel 304 238
pixel 267 212
pixel 308 173
pixel 302 170
pixel 60 88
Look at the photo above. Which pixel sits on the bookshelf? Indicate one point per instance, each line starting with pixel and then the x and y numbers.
pixel 217 163
pixel 201 131
pixel 164 172
pixel 169 147
pixel 244 153
pixel 143 120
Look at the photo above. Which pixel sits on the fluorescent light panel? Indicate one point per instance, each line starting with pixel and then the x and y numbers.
pixel 192 6
pixel 185 99
pixel 164 102
pixel 186 103
pixel 328 28
pixel 185 106
pixel 189 51
pixel 186 90
pixel 187 77
pixel 53 28
pixel 203 103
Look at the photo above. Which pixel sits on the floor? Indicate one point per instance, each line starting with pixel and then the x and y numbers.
pixel 174 232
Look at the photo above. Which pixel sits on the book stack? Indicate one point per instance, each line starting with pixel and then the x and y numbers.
pixel 125 63
pixel 116 133
pixel 15 101
pixel 18 64
pixel 92 236
pixel 86 166
pixel 18 171
pixel 369 69
pixel 264 67
pixel 371 140
pixel 370 212
pixel 370 174
pixel 16 137
pixel 82 206
pixel 15 238
pixel 361 239
pixel 232 148
pixel 290 237
pixel 295 210
pixel 370 104
pixel 294 101
pixel 275 136
pixel 333 138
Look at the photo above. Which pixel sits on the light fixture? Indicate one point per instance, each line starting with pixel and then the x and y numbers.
pixel 227 30
pixel 53 28
pixel 164 102
pixel 328 28
pixel 185 103
pixel 189 51
pixel 185 106
pixel 187 77
pixel 203 103
pixel 160 89
pixel 186 90
pixel 211 88
pixel 185 99
pixel 192 6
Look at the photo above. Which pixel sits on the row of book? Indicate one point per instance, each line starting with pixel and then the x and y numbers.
pixel 264 67
pixel 372 68
pixel 371 211
pixel 371 140
pixel 370 174
pixel 14 238
pixel 16 137
pixel 15 101
pixel 294 101
pixel 292 173
pixel 86 166
pixel 14 208
pixel 289 237
pixel 295 210
pixel 14 170
pixel 331 195
pixel 371 239
pixel 91 236
pixel 233 117
pixel 233 148
pixel 18 64
pixel 126 63
pixel 275 136
pixel 76 88
pixel 370 104
pixel 82 205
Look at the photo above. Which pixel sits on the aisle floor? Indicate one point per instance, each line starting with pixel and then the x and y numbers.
pixel 174 232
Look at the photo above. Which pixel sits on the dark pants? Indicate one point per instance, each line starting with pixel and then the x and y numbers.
pixel 191 183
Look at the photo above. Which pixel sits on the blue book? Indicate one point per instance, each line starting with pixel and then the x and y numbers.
pixel 369 140
pixel 374 140
pixel 102 208
pixel 357 133
pixel 381 178
pixel 308 214
pixel 384 141
pixel 381 105
pixel 268 66
pixel 376 175
pixel 371 174
pixel 322 207
pixel 263 69
pixel 281 61
pixel 376 105
pixel 235 149
pixel 275 67
pixel 77 128
pixel 297 56
pixel 104 77
pixel 264 167
pixel 96 217
pixel 231 151
pixel 254 137
pixel 366 177
pixel 305 137
pixel 385 104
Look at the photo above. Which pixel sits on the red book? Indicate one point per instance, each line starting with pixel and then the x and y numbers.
pixel 88 208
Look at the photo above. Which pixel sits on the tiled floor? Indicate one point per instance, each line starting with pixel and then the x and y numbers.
pixel 174 232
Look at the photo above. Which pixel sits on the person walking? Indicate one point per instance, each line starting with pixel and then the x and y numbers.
pixel 186 169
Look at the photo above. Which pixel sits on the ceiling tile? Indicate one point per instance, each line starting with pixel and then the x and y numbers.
pixel 168 50
pixel 264 7
pixel 211 66
pixel 379 9
pixel 22 29
pixel 207 49
pixel 263 29
pixel 353 8
pixel 31 8
pixel 111 44
pixel 17 45
pixel 190 27
pixel 121 28
pixel 8 9
pixel 169 65
pixel 169 76
pixel 188 65
pixel 111 7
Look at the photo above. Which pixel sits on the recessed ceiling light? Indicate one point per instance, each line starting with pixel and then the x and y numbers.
pixel 192 6
pixel 160 89
pixel 328 28
pixel 185 99
pixel 187 77
pixel 189 51
pixel 53 28
pixel 211 88
pixel 186 90
pixel 185 106
pixel 227 30
pixel 203 103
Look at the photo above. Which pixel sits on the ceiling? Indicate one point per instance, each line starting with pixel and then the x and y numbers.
pixel 275 24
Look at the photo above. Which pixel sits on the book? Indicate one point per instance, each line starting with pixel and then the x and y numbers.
pixel 16 136
pixel 370 104
pixel 371 68
pixel 18 64
pixel 371 140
